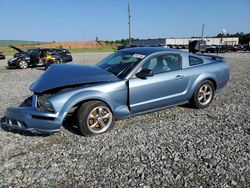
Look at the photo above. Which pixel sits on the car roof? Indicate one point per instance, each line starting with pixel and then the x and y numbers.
pixel 148 50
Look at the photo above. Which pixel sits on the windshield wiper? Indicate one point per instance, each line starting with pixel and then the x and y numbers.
pixel 123 71
pixel 112 66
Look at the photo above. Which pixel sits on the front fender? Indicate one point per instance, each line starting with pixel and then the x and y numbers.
pixel 113 94
pixel 83 96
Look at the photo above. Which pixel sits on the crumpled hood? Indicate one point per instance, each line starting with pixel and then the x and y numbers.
pixel 60 75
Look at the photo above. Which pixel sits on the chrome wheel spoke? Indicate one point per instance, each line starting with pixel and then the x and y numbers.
pixel 205 88
pixel 200 97
pixel 201 90
pixel 102 124
pixel 93 125
pixel 92 116
pixel 208 93
pixel 205 97
pixel 205 94
pixel 106 116
pixel 99 119
pixel 99 111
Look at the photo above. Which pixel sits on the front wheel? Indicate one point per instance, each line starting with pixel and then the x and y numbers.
pixel 203 95
pixel 94 117
pixel 23 65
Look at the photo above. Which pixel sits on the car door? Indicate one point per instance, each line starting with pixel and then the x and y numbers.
pixel 167 86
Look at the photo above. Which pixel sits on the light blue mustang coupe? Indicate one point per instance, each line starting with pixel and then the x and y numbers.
pixel 126 83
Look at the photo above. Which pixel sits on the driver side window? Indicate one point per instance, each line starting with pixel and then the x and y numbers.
pixel 163 63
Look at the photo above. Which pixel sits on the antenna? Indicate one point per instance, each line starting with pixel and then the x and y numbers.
pixel 129 25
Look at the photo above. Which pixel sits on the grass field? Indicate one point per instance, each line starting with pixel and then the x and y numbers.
pixel 73 46
pixel 6 43
pixel 98 49
pixel 9 51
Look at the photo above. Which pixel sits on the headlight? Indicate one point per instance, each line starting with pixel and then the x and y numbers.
pixel 44 104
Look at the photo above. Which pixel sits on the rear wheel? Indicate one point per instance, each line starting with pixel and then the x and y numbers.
pixel 23 65
pixel 203 95
pixel 94 117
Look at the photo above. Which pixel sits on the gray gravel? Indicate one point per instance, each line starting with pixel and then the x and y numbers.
pixel 177 147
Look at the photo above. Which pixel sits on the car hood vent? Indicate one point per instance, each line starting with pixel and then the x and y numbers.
pixel 62 75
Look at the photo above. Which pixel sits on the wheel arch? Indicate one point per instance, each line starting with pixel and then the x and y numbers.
pixel 75 103
pixel 201 79
pixel 213 81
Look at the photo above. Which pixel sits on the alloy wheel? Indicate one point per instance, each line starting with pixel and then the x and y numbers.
pixel 99 119
pixel 23 65
pixel 205 94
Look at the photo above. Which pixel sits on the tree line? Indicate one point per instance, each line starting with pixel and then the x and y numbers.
pixel 244 38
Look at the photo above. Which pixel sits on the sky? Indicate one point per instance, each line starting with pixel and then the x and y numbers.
pixel 84 20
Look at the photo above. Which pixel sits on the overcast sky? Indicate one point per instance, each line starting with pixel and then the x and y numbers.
pixel 74 20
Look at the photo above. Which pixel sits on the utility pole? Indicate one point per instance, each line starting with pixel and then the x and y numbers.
pixel 202 32
pixel 129 26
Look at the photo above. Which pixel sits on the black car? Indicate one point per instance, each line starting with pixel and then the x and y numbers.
pixel 2 56
pixel 197 46
pixel 34 57
pixel 245 47
pixel 37 56
pixel 21 59
pixel 217 49
pixel 212 49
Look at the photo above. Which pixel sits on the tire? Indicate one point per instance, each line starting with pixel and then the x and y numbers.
pixel 94 117
pixel 23 65
pixel 203 95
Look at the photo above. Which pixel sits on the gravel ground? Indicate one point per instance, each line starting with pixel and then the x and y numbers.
pixel 176 147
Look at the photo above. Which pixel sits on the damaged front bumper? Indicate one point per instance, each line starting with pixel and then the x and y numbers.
pixel 30 119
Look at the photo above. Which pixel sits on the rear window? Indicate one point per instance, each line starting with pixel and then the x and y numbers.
pixel 195 61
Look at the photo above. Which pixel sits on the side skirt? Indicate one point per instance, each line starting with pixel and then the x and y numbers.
pixel 153 110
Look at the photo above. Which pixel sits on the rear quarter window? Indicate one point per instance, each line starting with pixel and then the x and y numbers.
pixel 195 61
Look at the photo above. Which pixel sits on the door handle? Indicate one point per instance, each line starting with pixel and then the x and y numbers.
pixel 179 77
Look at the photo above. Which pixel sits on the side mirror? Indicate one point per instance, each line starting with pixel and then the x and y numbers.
pixel 144 73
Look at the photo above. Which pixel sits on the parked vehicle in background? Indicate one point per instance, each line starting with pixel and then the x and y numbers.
pixel 212 49
pixel 245 47
pixel 237 48
pixel 126 83
pixel 120 47
pixel 197 46
pixel 2 56
pixel 51 58
pixel 34 57
pixel 21 52
pixel 21 59
pixel 62 55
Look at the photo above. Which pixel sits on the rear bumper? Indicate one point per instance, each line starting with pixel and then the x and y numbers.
pixel 30 119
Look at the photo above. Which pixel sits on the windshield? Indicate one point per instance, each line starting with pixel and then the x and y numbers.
pixel 120 63
pixel 29 51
